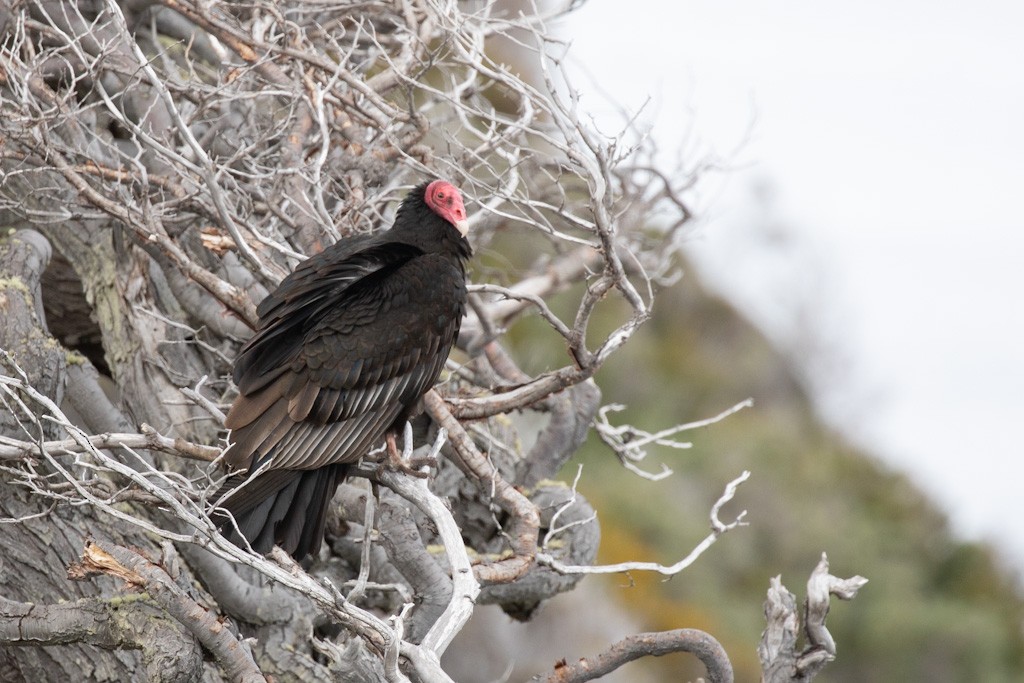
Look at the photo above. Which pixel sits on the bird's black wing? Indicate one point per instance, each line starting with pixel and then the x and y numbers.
pixel 339 363
pixel 298 303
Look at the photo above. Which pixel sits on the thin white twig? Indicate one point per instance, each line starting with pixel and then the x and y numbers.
pixel 369 515
pixel 195 395
pixel 553 528
pixel 391 672
pixel 628 442
pixel 670 570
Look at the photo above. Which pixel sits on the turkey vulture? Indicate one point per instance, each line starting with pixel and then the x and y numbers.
pixel 344 349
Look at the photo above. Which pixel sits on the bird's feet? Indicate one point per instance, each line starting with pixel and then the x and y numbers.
pixel 395 461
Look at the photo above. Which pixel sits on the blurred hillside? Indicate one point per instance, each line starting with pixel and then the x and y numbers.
pixel 936 609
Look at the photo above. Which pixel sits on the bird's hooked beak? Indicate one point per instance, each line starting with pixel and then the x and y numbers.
pixel 462 226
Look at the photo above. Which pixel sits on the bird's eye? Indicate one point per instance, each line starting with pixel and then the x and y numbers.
pixel 440 195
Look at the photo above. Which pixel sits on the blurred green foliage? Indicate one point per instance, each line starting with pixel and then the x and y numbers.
pixel 936 609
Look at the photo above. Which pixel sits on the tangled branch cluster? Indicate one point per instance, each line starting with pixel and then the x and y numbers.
pixel 181 157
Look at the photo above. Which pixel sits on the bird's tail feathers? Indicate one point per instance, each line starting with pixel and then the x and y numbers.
pixel 280 507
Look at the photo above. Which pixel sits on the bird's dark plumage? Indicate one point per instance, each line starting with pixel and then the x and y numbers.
pixel 344 349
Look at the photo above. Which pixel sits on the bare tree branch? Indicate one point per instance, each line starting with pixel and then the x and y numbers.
pixel 524 528
pixel 781 659
pixel 11 449
pixel 464 583
pixel 630 648
pixel 717 529
pixel 629 442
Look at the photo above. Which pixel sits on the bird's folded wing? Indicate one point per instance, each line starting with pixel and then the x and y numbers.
pixel 355 371
pixel 302 299
pixel 274 425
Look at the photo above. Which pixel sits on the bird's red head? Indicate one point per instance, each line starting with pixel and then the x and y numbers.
pixel 445 200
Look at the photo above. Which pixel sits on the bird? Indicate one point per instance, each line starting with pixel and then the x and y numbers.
pixel 344 349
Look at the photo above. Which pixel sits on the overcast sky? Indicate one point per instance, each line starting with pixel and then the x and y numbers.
pixel 875 200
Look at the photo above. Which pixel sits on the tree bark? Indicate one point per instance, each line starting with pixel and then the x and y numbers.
pixel 49 537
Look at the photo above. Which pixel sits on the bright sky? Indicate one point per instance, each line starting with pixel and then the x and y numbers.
pixel 875 199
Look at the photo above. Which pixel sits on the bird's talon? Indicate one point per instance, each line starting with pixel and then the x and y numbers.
pixel 394 460
pixel 419 474
pixel 424 461
pixel 412 467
